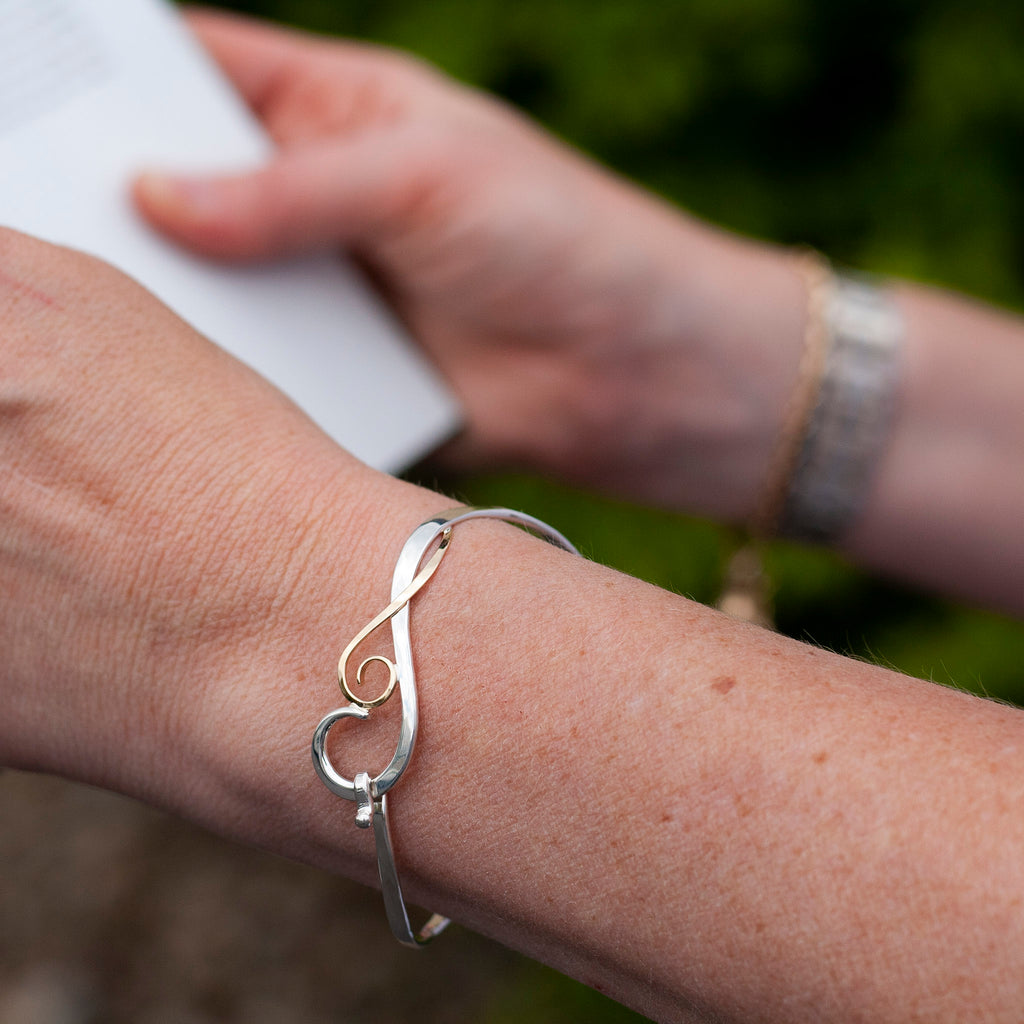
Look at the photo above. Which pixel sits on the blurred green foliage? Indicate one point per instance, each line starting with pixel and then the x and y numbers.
pixel 888 133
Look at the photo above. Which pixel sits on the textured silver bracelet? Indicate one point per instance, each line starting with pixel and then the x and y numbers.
pixel 412 571
pixel 852 417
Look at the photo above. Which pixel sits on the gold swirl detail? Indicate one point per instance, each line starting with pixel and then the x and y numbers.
pixel 392 609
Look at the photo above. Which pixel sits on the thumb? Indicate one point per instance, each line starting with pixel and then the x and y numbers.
pixel 306 199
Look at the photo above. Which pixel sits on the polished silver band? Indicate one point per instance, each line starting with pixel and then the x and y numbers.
pixel 852 418
pixel 370 794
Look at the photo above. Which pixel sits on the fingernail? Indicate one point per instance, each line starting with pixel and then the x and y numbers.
pixel 194 196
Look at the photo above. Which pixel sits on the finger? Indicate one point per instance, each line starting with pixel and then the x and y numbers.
pixel 306 199
pixel 254 55
pixel 302 85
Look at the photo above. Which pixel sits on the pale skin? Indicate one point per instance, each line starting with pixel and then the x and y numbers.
pixel 707 821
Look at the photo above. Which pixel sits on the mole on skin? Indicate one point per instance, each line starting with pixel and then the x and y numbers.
pixel 723 684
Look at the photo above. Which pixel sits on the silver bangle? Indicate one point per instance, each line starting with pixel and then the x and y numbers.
pixel 853 415
pixel 370 795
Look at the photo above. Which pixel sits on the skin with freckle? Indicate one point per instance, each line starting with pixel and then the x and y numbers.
pixel 723 684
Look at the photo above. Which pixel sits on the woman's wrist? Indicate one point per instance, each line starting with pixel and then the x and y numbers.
pixel 264 685
pixel 695 402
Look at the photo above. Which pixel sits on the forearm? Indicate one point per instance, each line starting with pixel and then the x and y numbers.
pixel 948 501
pixel 696 816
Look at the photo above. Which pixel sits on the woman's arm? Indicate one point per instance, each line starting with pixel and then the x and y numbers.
pixel 699 817
pixel 592 331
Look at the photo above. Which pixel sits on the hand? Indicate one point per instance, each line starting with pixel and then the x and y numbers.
pixel 589 330
pixel 167 520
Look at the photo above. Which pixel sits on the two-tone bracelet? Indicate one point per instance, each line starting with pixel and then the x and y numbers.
pixel 850 423
pixel 412 572
pixel 835 427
